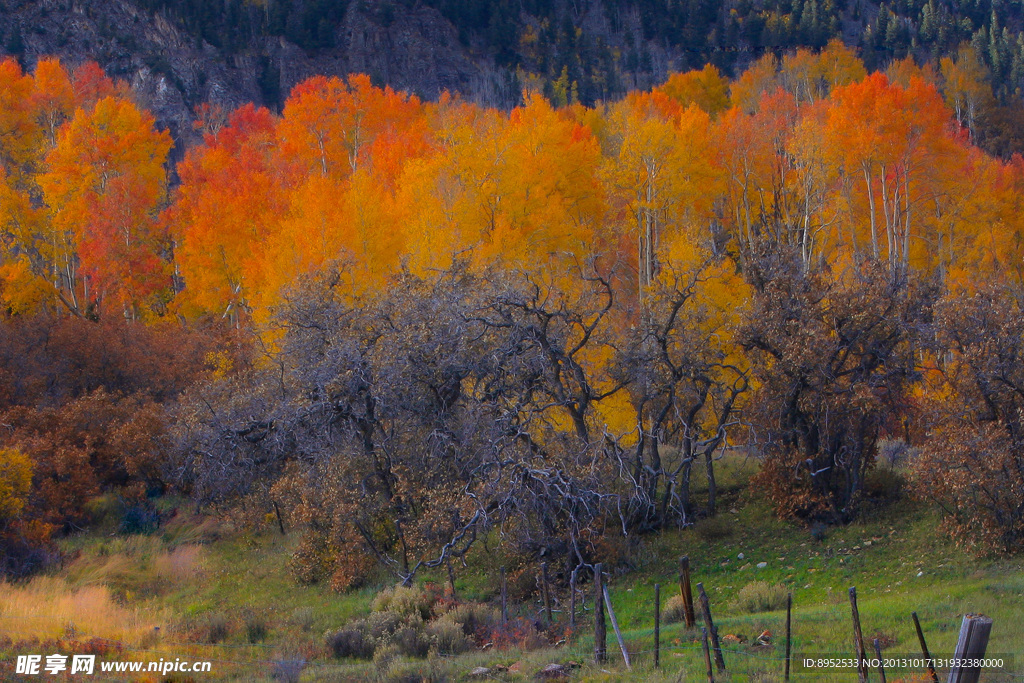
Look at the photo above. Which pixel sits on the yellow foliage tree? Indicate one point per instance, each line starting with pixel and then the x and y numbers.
pixel 15 482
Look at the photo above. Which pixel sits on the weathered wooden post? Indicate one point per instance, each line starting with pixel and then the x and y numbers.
pixel 572 600
pixel 705 607
pixel 280 522
pixel 546 591
pixel 600 632
pixel 858 638
pixel 707 654
pixel 878 655
pixel 924 649
pixel 504 597
pixel 970 646
pixel 451 580
pixel 789 613
pixel 657 626
pixel 615 627
pixel 684 590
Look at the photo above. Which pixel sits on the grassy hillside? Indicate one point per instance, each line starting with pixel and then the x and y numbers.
pixel 224 593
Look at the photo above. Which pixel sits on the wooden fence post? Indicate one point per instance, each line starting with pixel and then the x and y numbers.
pixel 280 522
pixel 600 633
pixel 707 654
pixel 705 607
pixel 973 640
pixel 504 597
pixel 789 613
pixel 615 627
pixel 858 638
pixel 546 591
pixel 451 580
pixel 572 600
pixel 878 655
pixel 684 590
pixel 924 649
pixel 657 626
pixel 706 610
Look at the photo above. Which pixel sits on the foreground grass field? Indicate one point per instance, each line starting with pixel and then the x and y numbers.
pixel 206 590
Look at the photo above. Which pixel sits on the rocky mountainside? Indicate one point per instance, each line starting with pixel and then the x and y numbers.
pixel 177 54
pixel 172 71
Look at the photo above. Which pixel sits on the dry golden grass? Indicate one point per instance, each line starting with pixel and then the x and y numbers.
pixel 137 567
pixel 102 569
pixel 47 607
pixel 184 563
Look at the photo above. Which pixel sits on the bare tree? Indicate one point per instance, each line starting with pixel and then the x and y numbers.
pixel 685 390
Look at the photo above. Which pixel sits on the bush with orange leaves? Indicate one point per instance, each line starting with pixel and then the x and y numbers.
pixel 82 403
pixel 95 443
pixel 972 463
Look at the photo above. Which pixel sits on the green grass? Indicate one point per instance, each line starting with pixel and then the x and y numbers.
pixel 898 557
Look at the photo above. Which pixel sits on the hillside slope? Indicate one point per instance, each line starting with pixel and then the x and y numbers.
pixel 180 53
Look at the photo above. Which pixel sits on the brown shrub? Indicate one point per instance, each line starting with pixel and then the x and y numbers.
pixel 351 641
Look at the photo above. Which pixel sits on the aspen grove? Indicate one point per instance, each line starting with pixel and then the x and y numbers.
pixel 411 327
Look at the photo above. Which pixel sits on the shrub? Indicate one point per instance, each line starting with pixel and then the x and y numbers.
pixel 473 617
pixel 140 518
pixel 351 641
pixel 518 633
pixel 218 628
pixel 255 628
pixel 972 461
pixel 761 596
pixel 713 529
pixel 303 618
pixel 522 584
pixel 384 657
pixel 104 512
pixel 288 670
pixel 674 611
pixel 448 637
pixel 311 562
pixel 380 625
pixel 406 601
pixel 350 570
pixel 411 641
pixel 884 483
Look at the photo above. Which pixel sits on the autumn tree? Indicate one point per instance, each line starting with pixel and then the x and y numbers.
pixel 40 260
pixel 436 410
pixel 105 183
pixel 965 86
pixel 686 386
pixel 663 176
pixel 760 78
pixel 15 483
pixel 231 196
pixel 754 153
pixel 705 88
pixel 972 460
pixel 24 542
pixel 890 143
pixel 833 361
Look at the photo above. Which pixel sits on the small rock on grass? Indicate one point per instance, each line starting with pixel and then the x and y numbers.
pixel 552 672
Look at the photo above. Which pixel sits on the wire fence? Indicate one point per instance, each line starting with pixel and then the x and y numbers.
pixel 767 660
